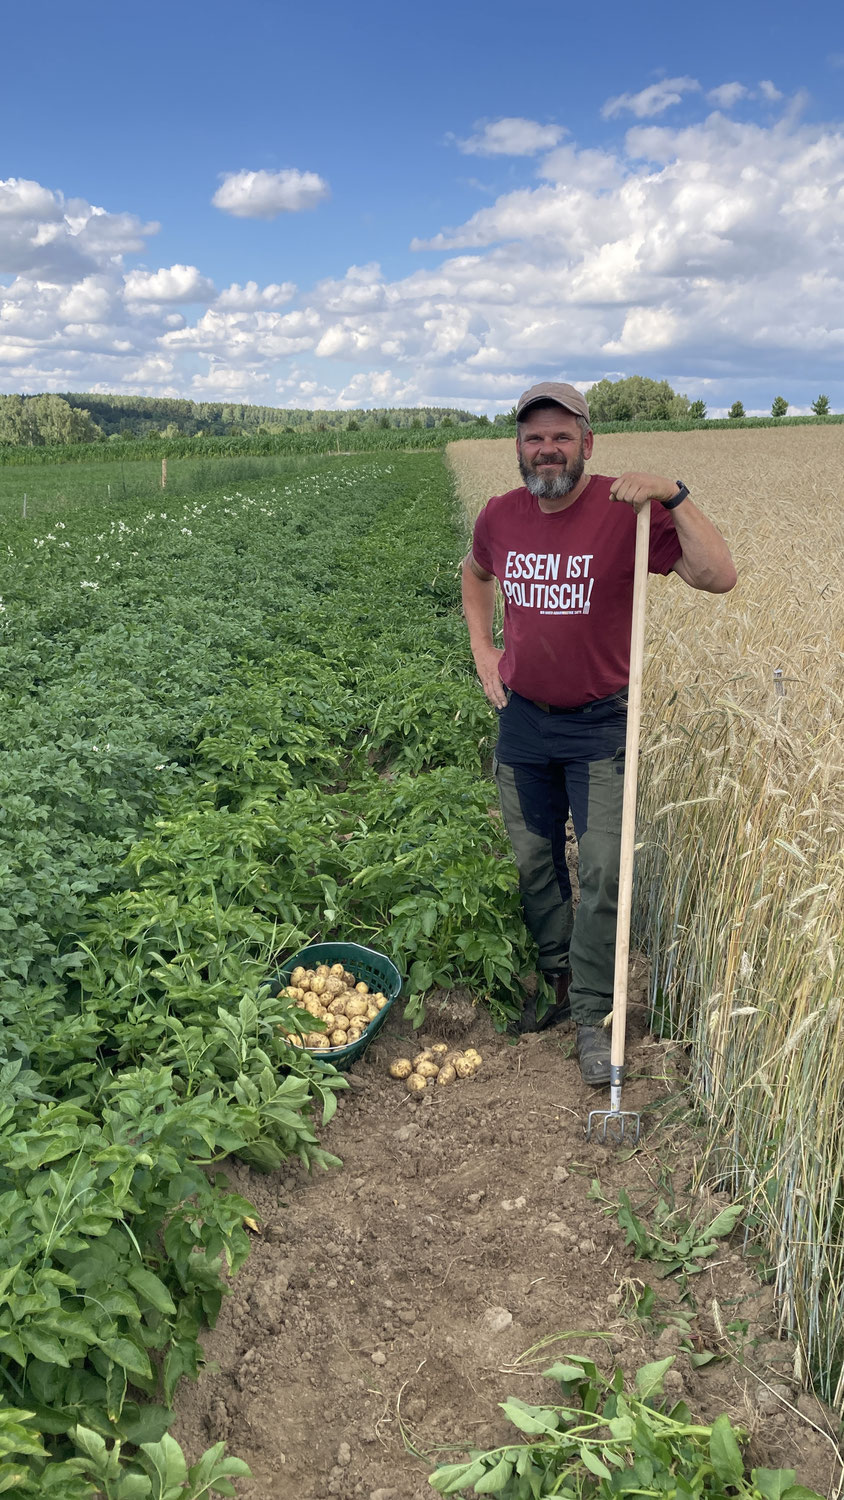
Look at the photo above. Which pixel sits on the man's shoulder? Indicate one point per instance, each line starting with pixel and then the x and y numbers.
pixel 509 501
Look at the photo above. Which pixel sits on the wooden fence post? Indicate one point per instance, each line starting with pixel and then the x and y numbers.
pixel 164 473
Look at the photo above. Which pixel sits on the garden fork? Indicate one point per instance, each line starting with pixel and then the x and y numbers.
pixel 616 1123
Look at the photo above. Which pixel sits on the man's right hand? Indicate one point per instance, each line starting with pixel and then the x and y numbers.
pixel 486 662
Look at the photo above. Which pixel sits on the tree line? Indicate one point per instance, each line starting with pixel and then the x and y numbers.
pixel 44 421
pixel 59 420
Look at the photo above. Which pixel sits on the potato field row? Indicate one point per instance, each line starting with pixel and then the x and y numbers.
pixel 229 727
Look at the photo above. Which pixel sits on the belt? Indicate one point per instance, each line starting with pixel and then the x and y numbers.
pixel 553 708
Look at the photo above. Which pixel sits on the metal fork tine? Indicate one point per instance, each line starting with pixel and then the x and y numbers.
pixel 614 1123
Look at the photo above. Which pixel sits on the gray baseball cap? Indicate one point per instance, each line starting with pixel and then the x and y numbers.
pixel 554 390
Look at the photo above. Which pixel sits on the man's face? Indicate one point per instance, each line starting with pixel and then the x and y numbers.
pixel 552 451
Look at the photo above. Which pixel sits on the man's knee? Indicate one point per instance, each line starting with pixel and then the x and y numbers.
pixel 599 854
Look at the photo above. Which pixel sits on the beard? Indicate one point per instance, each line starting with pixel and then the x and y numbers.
pixel 553 486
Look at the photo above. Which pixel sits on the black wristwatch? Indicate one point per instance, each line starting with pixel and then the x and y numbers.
pixel 681 495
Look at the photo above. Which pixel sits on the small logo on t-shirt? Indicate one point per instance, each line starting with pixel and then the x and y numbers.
pixel 536 580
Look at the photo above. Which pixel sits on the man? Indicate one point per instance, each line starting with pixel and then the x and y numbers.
pixel 562 549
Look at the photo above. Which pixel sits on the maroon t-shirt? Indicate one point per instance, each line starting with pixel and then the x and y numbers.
pixel 567 580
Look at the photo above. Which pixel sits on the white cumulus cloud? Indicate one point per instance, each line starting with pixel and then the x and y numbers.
pixel 511 136
pixel 252 296
pixel 652 100
pixel 168 284
pixel 42 234
pixel 264 195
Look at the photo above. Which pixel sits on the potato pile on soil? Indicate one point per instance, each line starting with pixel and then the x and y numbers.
pixel 383 1306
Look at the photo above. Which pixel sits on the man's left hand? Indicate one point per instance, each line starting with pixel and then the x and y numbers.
pixel 636 489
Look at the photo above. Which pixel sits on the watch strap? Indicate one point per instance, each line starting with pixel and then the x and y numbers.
pixel 677 499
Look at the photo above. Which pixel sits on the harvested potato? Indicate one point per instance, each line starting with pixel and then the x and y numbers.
pixel 356 1007
pixel 314 1039
pixel 447 1073
pixel 337 971
pixel 371 1012
pixel 401 1068
pixel 338 1038
pixel 318 984
pixel 362 988
pixel 416 1083
pixel 464 1068
pixel 424 1056
pixel 439 1049
pixel 452 1057
pixel 473 1057
pixel 354 1033
pixel 427 1068
pixel 298 974
pixel 380 999
pixel 333 985
pixel 350 979
pixel 304 981
pixel 292 992
pixel 321 1041
pixel 337 1006
pixel 323 970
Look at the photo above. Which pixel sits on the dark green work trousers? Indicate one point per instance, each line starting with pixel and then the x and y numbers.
pixel 546 765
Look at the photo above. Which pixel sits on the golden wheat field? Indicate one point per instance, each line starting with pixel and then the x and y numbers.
pixel 740 853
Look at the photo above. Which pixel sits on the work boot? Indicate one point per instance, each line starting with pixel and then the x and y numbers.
pixel 555 1011
pixel 593 1054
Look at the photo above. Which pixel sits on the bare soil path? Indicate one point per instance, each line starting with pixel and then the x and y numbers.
pixel 384 1306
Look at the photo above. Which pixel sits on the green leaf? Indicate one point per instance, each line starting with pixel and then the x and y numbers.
pixel 772 1483
pixel 44 1346
pixel 91 1443
pixel 649 1377
pixel 593 1463
pixel 564 1373
pixel 800 1492
pixel 530 1419
pixel 151 1289
pixel 495 1479
pixel 134 1487
pixel 453 1477
pixel 168 1468
pixel 127 1354
pixel 724 1223
pixel 115 1391
pixel 725 1453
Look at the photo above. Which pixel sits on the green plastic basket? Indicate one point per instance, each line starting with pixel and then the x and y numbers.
pixel 375 969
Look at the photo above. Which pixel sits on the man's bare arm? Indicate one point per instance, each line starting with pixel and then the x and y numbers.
pixel 705 562
pixel 479 609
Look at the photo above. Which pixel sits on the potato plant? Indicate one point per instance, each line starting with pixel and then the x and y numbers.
pixel 214 752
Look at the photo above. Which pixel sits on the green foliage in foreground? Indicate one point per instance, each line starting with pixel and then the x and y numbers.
pixel 227 727
pixel 601 1442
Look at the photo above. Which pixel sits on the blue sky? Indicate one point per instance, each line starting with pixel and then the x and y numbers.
pixel 429 205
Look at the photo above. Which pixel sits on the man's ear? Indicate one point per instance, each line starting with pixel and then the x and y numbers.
pixel 588 442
